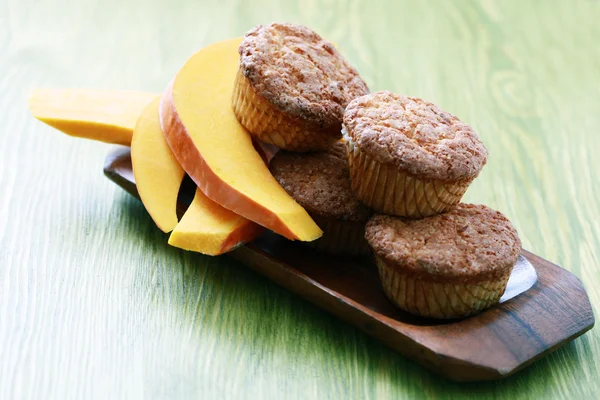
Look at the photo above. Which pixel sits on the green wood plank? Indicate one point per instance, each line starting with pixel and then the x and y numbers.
pixel 94 304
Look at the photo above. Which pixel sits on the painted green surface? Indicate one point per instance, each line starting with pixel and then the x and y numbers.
pixel 94 304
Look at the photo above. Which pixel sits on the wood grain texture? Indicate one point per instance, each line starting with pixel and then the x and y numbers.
pixel 93 302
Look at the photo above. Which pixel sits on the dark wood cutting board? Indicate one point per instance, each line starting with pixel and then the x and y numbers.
pixel 543 308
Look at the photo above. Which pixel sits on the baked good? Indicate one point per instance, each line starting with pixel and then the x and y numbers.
pixel 408 157
pixel 320 183
pixel 447 266
pixel 292 87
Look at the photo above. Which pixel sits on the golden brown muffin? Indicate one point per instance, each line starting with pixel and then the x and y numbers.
pixel 320 183
pixel 447 266
pixel 408 157
pixel 292 87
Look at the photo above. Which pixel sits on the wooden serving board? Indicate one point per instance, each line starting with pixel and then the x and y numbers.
pixel 538 313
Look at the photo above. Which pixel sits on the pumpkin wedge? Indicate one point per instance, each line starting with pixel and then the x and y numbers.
pixel 104 115
pixel 208 228
pixel 216 150
pixel 157 173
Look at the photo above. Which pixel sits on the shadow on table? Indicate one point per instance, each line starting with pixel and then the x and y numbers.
pixel 219 296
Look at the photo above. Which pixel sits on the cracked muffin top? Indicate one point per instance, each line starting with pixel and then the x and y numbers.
pixel 320 182
pixel 472 242
pixel 298 72
pixel 415 135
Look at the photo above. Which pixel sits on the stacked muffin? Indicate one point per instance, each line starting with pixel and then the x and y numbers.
pixel 292 87
pixel 320 182
pixel 406 159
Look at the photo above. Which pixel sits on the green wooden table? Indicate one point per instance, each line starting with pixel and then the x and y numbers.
pixel 95 304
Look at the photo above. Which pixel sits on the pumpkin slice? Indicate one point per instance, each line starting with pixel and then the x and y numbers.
pixel 208 228
pixel 157 173
pixel 104 115
pixel 216 150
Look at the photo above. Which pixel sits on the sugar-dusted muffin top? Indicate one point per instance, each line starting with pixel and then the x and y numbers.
pixel 300 73
pixel 320 182
pixel 415 135
pixel 472 242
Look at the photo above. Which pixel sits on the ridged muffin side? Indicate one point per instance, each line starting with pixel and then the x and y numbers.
pixel 448 266
pixel 292 87
pixel 407 157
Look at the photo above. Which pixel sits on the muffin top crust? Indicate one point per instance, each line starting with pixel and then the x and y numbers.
pixel 415 135
pixel 472 242
pixel 298 72
pixel 320 182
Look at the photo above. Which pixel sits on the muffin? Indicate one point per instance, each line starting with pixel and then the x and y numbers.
pixel 292 87
pixel 408 157
pixel 448 266
pixel 320 183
